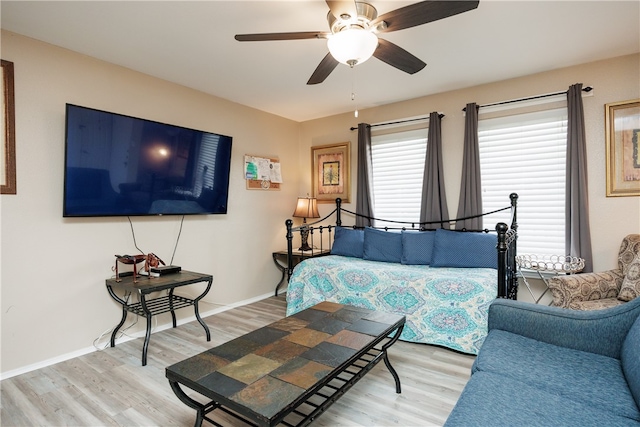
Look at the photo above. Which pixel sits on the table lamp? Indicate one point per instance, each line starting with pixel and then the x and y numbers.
pixel 307 207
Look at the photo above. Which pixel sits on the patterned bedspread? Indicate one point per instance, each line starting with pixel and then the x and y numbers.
pixel 443 306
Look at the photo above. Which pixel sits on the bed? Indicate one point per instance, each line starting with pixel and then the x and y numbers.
pixel 442 280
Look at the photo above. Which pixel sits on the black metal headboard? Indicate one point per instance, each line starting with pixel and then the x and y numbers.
pixel 506 246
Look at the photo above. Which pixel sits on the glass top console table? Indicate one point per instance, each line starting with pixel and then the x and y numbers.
pixel 147 306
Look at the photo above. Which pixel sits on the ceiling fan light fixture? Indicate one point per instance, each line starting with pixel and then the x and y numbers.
pixel 352 46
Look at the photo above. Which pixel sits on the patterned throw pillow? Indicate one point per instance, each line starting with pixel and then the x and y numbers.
pixel 631 284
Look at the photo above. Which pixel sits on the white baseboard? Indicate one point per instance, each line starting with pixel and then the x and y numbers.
pixel 91 349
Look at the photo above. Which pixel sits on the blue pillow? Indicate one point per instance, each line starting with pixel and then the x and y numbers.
pixel 348 242
pixel 417 247
pixel 466 249
pixel 379 245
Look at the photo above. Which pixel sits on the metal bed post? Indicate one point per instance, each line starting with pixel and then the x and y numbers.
pixel 503 280
pixel 289 224
pixel 513 249
pixel 514 211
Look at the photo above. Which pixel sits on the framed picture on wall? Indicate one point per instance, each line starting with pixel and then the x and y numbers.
pixel 330 172
pixel 8 145
pixel 622 130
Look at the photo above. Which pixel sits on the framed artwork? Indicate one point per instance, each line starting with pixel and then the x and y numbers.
pixel 8 145
pixel 330 172
pixel 622 128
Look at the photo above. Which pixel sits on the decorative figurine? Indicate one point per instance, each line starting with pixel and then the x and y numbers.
pixel 150 260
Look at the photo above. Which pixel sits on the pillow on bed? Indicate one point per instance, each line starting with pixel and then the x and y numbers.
pixel 465 249
pixel 348 242
pixel 380 245
pixel 417 247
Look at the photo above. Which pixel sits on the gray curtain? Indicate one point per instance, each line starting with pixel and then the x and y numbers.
pixel 434 198
pixel 364 197
pixel 577 232
pixel 470 202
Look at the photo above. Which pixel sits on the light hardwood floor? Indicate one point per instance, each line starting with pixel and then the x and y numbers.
pixel 111 388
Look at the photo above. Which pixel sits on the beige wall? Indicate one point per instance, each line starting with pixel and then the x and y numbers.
pixel 617 79
pixel 53 300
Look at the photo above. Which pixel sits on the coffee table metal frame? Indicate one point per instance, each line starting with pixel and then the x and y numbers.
pixel 307 407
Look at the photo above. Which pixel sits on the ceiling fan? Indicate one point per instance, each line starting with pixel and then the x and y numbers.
pixel 354 27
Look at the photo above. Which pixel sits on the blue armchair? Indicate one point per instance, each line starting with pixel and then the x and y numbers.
pixel 552 366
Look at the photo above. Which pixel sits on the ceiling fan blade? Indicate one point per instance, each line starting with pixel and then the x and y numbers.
pixel 422 13
pixel 326 66
pixel 303 35
pixel 397 57
pixel 342 7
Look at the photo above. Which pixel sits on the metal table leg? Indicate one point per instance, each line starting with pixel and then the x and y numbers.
pixel 197 311
pixel 117 328
pixel 147 335
pixel 201 410
pixel 393 372
pixel 282 269
pixel 124 314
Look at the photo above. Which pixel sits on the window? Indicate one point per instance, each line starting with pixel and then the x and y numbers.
pixel 526 154
pixel 398 168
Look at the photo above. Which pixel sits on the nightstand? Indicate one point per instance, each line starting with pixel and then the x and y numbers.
pixel 280 259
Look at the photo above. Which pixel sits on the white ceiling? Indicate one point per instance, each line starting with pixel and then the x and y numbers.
pixel 191 43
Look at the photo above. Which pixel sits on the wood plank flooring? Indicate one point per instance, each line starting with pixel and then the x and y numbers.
pixel 111 388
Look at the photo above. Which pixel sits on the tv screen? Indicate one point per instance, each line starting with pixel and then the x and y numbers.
pixel 117 165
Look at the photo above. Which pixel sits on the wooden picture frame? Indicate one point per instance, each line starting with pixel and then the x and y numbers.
pixel 330 177
pixel 622 128
pixel 8 145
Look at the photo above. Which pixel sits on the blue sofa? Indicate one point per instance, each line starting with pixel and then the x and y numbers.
pixel 549 366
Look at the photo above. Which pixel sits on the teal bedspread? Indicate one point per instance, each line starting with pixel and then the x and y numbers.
pixel 443 306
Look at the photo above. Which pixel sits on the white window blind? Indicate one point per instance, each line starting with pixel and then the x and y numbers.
pixel 526 154
pixel 398 168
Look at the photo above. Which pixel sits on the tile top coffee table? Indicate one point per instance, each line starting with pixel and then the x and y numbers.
pixel 291 370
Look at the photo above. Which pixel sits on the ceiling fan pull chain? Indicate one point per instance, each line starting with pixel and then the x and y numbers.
pixel 353 98
pixel 353 91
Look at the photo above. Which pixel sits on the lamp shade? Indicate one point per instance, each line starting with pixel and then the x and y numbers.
pixel 307 207
pixel 352 46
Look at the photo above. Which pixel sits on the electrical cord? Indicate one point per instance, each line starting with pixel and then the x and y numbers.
pixel 122 332
pixel 177 240
pixel 133 233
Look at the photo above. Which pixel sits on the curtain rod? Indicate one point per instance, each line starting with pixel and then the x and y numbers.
pixel 398 122
pixel 584 89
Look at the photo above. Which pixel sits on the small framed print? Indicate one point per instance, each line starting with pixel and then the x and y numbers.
pixel 622 128
pixel 330 172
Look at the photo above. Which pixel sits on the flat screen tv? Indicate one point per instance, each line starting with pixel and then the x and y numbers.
pixel 117 165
